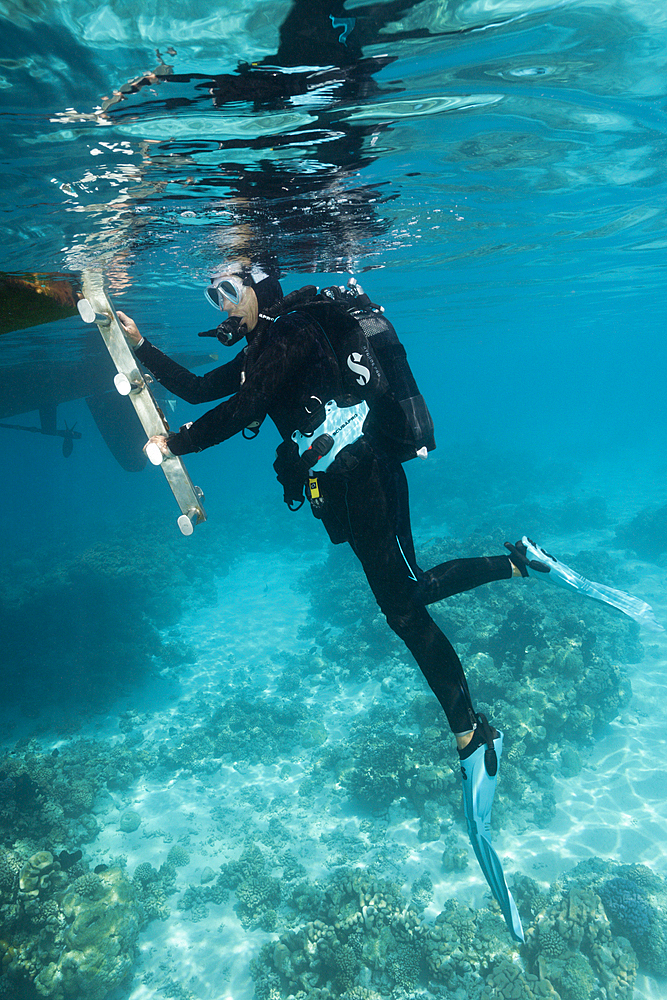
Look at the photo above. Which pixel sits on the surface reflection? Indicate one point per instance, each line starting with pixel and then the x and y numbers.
pixel 270 143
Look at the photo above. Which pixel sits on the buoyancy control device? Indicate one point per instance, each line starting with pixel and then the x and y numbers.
pixel 373 364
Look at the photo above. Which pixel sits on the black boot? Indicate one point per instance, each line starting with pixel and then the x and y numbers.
pixel 519 559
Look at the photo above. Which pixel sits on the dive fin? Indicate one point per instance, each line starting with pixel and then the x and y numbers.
pixel 479 774
pixel 563 576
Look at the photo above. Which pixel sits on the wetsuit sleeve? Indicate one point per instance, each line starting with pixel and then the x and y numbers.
pixel 185 384
pixel 280 361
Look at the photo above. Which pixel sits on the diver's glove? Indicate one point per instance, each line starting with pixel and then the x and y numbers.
pixel 519 558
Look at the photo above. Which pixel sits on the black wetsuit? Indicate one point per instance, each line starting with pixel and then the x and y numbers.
pixel 365 491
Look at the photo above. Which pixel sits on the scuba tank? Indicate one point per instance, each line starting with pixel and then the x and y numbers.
pixel 400 419
pixel 373 365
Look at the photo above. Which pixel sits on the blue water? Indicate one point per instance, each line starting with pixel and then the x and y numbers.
pixel 492 172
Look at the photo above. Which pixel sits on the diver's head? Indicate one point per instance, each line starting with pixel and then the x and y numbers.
pixel 245 294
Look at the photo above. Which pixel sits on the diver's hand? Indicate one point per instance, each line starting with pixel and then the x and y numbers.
pixel 157 449
pixel 129 328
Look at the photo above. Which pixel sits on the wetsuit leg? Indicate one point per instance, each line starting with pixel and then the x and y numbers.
pixel 449 578
pixel 459 575
pixel 367 502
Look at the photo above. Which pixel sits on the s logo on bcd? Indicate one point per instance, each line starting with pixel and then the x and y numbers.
pixel 364 375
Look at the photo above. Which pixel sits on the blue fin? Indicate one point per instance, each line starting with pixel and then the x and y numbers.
pixel 479 788
pixel 564 576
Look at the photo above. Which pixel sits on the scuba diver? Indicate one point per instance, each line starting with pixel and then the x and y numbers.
pixel 358 488
pixel 346 426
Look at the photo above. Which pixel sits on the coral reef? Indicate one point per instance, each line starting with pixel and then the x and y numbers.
pixel 381 763
pixel 612 914
pixel 635 901
pixel 547 668
pixel 49 798
pixel 573 947
pixel 258 893
pixel 356 931
pixel 645 534
pixel 253 729
pixel 356 935
pixel 65 937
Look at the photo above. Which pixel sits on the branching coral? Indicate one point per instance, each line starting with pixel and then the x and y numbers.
pixel 358 922
pixel 53 796
pixel 358 933
pixel 153 889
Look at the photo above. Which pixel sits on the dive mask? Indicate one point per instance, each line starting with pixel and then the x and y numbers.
pixel 230 288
